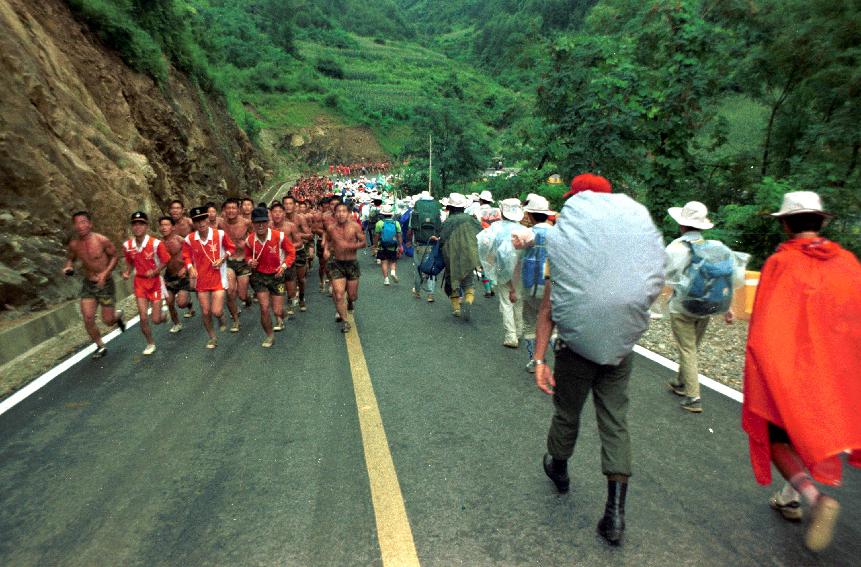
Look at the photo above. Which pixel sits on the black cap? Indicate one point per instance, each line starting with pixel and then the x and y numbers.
pixel 260 214
pixel 139 216
pixel 199 212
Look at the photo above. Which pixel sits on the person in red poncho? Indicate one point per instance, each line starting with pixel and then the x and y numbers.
pixel 802 389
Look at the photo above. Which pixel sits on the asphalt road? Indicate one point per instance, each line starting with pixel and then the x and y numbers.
pixel 243 456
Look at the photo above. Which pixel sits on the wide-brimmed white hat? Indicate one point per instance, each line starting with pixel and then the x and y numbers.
pixel 455 200
pixel 797 202
pixel 694 214
pixel 538 204
pixel 511 209
pixel 387 210
pixel 486 196
pixel 425 195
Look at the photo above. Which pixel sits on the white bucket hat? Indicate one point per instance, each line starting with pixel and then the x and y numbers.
pixel 455 200
pixel 511 209
pixel 486 196
pixel 694 214
pixel 538 204
pixel 801 202
pixel 387 210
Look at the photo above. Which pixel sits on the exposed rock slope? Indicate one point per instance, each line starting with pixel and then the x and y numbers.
pixel 80 130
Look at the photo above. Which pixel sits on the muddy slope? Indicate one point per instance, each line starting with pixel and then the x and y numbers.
pixel 80 130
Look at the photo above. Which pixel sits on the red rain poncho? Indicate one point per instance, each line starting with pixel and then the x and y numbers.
pixel 803 361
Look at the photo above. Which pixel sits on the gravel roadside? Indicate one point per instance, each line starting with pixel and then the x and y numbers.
pixel 721 353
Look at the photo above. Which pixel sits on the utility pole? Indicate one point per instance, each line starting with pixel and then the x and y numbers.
pixel 430 161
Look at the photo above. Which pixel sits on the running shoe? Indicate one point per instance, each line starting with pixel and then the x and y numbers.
pixel 337 317
pixel 430 299
pixel 677 389
pixel 511 343
pixel 290 312
pixel 386 281
pixel 345 327
pixel 416 294
pixel 188 314
pixel 149 350
pixel 790 510
pixel 222 323
pixel 279 325
pixel 234 328
pixel 120 323
pixel 176 328
pixel 302 307
pixel 693 405
pixel 267 342
pixel 394 277
pixel 100 352
pixel 212 343
pixel 350 306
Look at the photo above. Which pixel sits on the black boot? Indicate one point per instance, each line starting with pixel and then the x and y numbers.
pixel 612 525
pixel 557 471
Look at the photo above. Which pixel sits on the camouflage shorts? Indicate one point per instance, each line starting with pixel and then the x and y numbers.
pixel 271 283
pixel 106 295
pixel 343 269
pixel 301 258
pixel 239 267
pixel 176 284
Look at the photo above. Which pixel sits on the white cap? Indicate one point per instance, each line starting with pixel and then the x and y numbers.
pixel 486 196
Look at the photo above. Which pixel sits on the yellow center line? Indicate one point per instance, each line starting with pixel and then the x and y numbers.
pixel 393 527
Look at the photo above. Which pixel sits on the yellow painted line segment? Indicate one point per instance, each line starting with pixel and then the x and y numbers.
pixel 393 527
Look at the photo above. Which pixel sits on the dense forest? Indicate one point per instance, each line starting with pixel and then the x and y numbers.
pixel 731 102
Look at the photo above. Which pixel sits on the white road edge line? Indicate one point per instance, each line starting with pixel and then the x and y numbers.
pixel 704 380
pixel 39 382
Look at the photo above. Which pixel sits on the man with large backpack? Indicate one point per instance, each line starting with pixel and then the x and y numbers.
pixel 387 240
pixel 424 224
pixel 599 302
pixel 701 273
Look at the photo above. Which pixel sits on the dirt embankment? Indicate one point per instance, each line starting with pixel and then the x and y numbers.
pixel 80 130
pixel 328 142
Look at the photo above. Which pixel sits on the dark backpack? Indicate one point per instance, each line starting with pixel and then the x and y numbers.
pixel 373 216
pixel 532 267
pixel 433 262
pixel 424 220
pixel 389 234
pixel 709 287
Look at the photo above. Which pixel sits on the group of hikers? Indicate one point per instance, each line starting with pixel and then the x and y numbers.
pixel 581 283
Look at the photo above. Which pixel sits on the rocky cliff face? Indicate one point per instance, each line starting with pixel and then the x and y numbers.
pixel 80 130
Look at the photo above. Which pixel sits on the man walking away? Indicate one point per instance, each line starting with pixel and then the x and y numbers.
pixel 460 250
pixel 425 224
pixel 387 237
pixel 532 271
pixel 802 387
pixel 701 273
pixel 600 314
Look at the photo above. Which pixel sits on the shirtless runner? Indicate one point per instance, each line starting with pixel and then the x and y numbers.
pixel 237 228
pixel 148 258
pixel 246 205
pixel 182 226
pixel 291 214
pixel 98 258
pixel 279 223
pixel 204 253
pixel 343 238
pixel 319 230
pixel 176 275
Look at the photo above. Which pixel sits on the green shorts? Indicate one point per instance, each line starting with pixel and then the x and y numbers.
pixel 106 296
pixel 239 267
pixel 268 282
pixel 343 269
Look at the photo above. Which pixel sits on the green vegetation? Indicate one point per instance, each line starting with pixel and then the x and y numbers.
pixel 731 103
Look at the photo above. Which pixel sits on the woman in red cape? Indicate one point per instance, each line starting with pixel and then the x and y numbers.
pixel 802 376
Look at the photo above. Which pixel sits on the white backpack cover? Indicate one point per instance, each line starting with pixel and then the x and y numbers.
pixel 607 267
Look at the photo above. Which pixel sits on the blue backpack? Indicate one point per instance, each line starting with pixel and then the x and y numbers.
pixel 532 266
pixel 405 221
pixel 709 288
pixel 389 234
pixel 433 261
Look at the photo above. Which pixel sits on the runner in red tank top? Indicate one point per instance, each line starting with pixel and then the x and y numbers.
pixel 204 252
pixel 148 257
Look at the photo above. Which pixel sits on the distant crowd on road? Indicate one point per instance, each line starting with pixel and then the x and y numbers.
pixel 581 283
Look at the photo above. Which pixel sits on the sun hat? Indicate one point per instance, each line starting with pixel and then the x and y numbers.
pixel 260 214
pixel 486 196
pixel 457 200
pixel 589 182
pixel 694 214
pixel 198 212
pixel 511 209
pixel 387 210
pixel 797 202
pixel 538 204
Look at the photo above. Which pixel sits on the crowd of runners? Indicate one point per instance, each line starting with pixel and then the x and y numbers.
pixel 565 283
